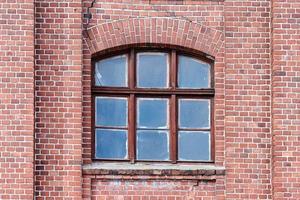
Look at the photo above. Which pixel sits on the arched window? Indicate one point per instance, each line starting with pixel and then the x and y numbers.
pixel 153 105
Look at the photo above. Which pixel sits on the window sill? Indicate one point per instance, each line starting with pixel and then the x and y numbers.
pixel 153 171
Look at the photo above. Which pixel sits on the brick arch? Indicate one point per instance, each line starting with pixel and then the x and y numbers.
pixel 174 32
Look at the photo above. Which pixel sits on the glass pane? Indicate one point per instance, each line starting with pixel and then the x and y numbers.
pixel 111 72
pixel 194 145
pixel 111 143
pixel 194 113
pixel 193 73
pixel 152 145
pixel 152 113
pixel 111 111
pixel 152 70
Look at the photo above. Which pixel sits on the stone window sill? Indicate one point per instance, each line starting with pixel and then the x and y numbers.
pixel 103 170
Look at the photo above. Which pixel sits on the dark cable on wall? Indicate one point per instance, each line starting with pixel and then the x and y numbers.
pixel 88 15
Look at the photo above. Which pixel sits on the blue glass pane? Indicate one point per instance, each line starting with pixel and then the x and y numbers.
pixel 152 113
pixel 152 145
pixel 194 113
pixel 111 72
pixel 194 145
pixel 111 144
pixel 111 111
pixel 193 73
pixel 152 70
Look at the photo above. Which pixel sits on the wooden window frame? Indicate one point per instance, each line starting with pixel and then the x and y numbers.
pixel 173 93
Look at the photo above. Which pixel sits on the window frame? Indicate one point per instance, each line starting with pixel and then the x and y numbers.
pixel 172 92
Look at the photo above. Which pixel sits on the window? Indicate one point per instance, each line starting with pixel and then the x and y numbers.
pixel 153 105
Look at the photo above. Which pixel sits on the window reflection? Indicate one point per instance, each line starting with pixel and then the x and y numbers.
pixel 112 72
pixel 193 73
pixel 152 70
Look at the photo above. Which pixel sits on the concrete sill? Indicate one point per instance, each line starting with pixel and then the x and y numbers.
pixel 153 171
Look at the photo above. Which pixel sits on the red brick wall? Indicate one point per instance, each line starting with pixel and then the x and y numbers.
pixel 257 100
pixel 248 99
pixel 286 99
pixel 16 99
pixel 155 189
pixel 58 99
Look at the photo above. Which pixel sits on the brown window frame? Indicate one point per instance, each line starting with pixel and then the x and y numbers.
pixel 172 93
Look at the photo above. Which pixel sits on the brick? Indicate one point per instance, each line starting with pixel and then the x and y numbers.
pixel 46 49
pixel 58 100
pixel 17 99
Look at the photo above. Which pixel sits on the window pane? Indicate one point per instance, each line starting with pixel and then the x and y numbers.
pixel 111 143
pixel 111 111
pixel 194 145
pixel 152 145
pixel 152 70
pixel 152 113
pixel 112 72
pixel 194 113
pixel 193 73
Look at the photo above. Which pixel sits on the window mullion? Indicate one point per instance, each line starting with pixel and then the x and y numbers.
pixel 173 109
pixel 131 70
pixel 173 70
pixel 131 128
pixel 173 129
pixel 131 113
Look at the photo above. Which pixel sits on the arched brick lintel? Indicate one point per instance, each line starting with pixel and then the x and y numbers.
pixel 167 31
